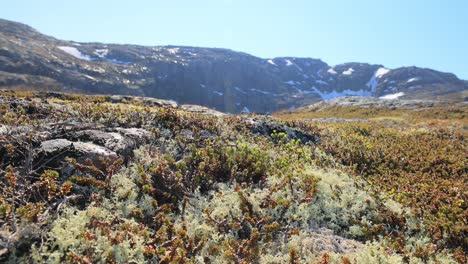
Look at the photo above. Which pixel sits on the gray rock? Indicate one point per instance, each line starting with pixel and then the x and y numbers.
pixel 206 134
pixel 187 133
pixel 120 140
pixel 138 134
pixel 144 100
pixel 201 110
pixel 111 140
pixel 55 145
pixel 51 153
pixel 158 102
pixel 116 98
pixel 87 149
pixel 267 127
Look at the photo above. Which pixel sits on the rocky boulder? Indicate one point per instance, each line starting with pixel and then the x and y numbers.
pixel 268 127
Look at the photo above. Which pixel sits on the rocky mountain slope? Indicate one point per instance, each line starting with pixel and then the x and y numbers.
pixel 219 78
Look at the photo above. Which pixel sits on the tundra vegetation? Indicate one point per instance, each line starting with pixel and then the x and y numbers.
pixel 85 179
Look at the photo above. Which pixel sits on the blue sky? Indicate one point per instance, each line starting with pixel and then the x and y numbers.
pixel 431 33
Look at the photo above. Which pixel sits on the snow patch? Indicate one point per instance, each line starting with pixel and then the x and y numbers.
pixel 288 62
pixel 74 52
pixel 304 91
pixel 290 82
pixel 334 94
pixel 89 77
pixel 173 50
pixel 202 85
pixel 218 93
pixel 101 53
pixel 240 90
pixel 321 82
pixel 373 82
pixel 331 71
pixel 381 72
pixel 271 62
pixel 348 71
pixel 392 96
pixel 260 91
pixel 245 110
pixel 118 62
pixel 412 80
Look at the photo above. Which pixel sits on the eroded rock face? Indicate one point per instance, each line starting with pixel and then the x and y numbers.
pixel 120 140
pixel 54 151
pixel 93 144
pixel 55 146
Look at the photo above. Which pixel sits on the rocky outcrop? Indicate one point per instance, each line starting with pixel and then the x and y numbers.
pixel 201 110
pixel 277 131
pixel 143 100
pixel 53 142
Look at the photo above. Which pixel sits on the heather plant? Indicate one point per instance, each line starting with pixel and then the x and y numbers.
pixel 205 189
pixel 421 164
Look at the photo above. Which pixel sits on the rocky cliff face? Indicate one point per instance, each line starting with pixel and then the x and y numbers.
pixel 219 78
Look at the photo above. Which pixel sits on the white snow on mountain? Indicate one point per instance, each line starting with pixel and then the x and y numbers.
pixel 101 53
pixel 260 91
pixel 240 90
pixel 90 77
pixel 381 72
pixel 173 50
pixel 412 80
pixel 321 82
pixel 271 62
pixel 118 62
pixel 290 82
pixel 218 93
pixel 288 62
pixel 334 94
pixel 348 71
pixel 304 91
pixel 331 71
pixel 392 96
pixel 373 82
pixel 74 52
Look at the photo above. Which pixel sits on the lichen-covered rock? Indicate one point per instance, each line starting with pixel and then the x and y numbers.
pixel 55 146
pixel 54 151
pixel 111 140
pixel 268 127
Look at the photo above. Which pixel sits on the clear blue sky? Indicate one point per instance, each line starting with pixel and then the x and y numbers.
pixel 431 33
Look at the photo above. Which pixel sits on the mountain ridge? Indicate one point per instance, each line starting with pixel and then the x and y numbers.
pixel 219 78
